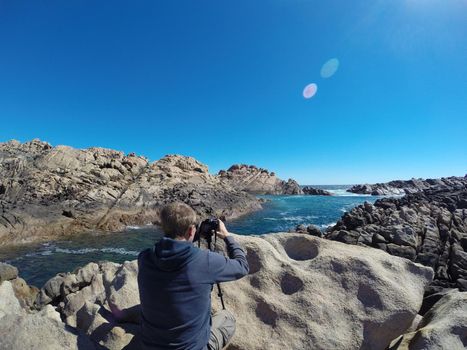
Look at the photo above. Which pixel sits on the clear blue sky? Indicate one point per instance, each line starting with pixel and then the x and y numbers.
pixel 222 81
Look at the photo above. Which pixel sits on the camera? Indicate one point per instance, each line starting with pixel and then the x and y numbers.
pixel 206 229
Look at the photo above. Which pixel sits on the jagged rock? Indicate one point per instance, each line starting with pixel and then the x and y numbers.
pixel 48 191
pixel 298 288
pixel 401 187
pixel 429 227
pixel 315 191
pixel 443 327
pixel 255 180
pixel 7 272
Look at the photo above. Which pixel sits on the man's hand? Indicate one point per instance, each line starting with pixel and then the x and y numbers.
pixel 222 231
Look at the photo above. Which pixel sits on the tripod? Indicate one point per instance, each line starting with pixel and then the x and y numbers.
pixel 219 290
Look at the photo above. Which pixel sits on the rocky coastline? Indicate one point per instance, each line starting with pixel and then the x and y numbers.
pixel 401 187
pixel 428 227
pixel 48 192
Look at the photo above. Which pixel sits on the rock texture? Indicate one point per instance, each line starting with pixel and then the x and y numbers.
pixel 50 191
pixel 443 327
pixel 299 289
pixel 428 227
pixel 401 187
pixel 256 180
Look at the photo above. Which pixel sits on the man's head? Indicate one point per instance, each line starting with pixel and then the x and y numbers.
pixel 178 221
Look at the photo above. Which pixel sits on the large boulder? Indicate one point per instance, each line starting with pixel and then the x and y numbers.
pixel 442 327
pixel 305 292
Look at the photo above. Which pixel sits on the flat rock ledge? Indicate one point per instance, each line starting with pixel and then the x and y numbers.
pixel 302 292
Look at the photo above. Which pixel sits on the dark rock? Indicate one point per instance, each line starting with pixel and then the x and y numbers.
pixel 315 191
pixel 314 231
pixel 428 226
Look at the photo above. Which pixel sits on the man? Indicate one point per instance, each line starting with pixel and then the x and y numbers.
pixel 175 281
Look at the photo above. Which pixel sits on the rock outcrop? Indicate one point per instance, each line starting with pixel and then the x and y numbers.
pixel 48 191
pixel 299 289
pixel 315 191
pixel 428 227
pixel 401 187
pixel 443 327
pixel 256 180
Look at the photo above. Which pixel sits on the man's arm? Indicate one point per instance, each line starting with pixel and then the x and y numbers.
pixel 223 269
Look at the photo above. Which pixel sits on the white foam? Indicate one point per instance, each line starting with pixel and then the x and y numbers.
pixel 81 251
pixel 327 225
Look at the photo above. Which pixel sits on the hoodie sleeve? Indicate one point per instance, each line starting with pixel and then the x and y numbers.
pixel 223 269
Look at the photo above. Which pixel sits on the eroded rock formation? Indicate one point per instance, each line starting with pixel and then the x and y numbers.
pixel 299 288
pixel 48 191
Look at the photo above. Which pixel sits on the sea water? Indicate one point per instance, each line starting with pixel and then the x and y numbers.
pixel 40 261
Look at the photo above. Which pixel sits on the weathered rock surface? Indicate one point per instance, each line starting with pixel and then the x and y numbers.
pixel 443 327
pixel 401 187
pixel 299 288
pixel 41 330
pixel 428 227
pixel 48 191
pixel 256 180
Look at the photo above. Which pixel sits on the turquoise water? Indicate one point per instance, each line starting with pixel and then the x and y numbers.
pixel 41 261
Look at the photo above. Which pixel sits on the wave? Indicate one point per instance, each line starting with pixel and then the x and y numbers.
pixel 293 218
pixel 81 251
pixel 324 226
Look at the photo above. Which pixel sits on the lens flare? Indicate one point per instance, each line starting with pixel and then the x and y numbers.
pixel 310 90
pixel 329 68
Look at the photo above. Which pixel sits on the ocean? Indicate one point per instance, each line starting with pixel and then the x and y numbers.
pixel 40 261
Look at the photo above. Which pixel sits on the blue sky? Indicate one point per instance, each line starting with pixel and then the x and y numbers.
pixel 223 81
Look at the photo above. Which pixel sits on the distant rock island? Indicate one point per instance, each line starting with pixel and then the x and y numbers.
pixel 401 187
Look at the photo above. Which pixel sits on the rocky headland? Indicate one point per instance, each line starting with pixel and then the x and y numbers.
pixel 47 192
pixel 401 187
pixel 428 227
pixel 256 180
pixel 302 292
